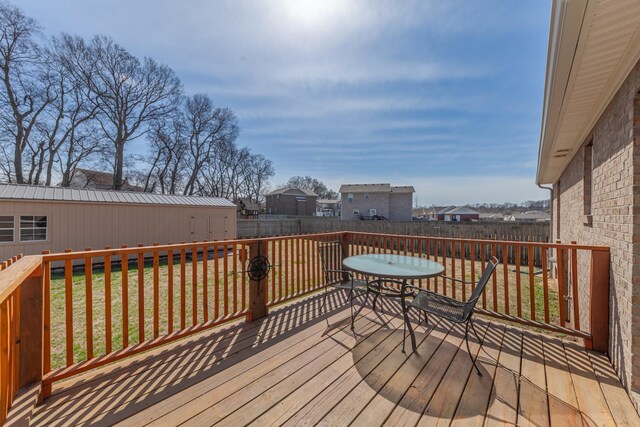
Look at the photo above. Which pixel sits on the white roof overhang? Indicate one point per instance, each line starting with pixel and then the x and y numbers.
pixel 593 45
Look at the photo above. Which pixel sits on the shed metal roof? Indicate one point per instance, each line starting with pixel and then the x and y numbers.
pixel 59 194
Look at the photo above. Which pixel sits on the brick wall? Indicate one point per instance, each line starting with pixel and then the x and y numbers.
pixel 377 201
pixel 615 204
pixel 288 204
pixel 400 206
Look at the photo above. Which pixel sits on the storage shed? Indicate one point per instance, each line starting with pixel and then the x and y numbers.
pixel 37 218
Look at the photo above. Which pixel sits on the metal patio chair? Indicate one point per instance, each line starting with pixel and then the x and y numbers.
pixel 428 302
pixel 335 276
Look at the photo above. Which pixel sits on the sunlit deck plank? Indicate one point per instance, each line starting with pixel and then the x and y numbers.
pixel 300 367
pixel 417 397
pixel 621 407
pixel 342 375
pixel 473 404
pixel 443 403
pixel 563 404
pixel 591 401
pixel 503 401
pixel 533 408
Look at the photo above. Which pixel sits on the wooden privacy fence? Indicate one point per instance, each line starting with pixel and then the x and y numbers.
pixel 87 308
pixel 511 231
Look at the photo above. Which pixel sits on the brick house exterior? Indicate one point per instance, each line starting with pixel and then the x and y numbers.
pixel 366 200
pixel 590 154
pixel 95 180
pixel 291 201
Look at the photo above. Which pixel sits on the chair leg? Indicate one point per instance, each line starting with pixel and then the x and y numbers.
pixel 351 297
pixel 466 339
pixel 473 328
pixel 353 316
pixel 404 335
pixel 324 299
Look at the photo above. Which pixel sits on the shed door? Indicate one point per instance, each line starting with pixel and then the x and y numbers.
pixel 199 228
pixel 219 225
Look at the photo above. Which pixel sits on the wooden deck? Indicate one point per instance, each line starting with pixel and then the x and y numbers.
pixel 301 367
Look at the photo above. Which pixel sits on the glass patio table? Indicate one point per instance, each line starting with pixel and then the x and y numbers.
pixel 390 268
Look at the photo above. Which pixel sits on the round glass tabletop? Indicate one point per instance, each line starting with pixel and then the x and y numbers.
pixel 393 266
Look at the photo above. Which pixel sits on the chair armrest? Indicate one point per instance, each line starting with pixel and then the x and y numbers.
pixel 411 292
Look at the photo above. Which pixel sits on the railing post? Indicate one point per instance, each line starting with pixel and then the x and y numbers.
pixel 599 302
pixel 31 304
pixel 257 288
pixel 563 277
pixel 345 240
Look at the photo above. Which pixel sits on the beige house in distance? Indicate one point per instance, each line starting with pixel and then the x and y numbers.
pixel 363 201
pixel 590 154
pixel 37 218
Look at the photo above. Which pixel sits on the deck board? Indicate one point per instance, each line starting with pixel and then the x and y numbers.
pixel 300 367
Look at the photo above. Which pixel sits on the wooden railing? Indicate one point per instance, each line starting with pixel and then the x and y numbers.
pixel 20 335
pixel 92 307
pixel 537 284
pixel 141 297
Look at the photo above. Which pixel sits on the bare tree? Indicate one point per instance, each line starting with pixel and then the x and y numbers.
pixel 70 110
pixel 128 93
pixel 257 175
pixel 167 155
pixel 208 129
pixel 24 93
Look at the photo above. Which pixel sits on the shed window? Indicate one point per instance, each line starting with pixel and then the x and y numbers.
pixel 7 226
pixel 366 195
pixel 350 197
pixel 33 228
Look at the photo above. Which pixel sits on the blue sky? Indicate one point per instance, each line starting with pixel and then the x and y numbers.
pixel 442 95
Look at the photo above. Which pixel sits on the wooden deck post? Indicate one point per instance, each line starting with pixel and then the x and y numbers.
pixel 257 288
pixel 562 261
pixel 30 338
pixel 599 302
pixel 345 240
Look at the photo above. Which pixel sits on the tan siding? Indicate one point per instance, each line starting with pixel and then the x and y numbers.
pixel 81 225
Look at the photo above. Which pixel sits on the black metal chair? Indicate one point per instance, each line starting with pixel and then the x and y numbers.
pixel 335 276
pixel 447 308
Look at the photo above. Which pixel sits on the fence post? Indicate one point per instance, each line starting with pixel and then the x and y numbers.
pixel 599 302
pixel 257 288
pixel 31 328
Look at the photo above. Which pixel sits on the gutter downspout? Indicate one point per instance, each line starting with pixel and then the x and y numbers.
pixel 550 208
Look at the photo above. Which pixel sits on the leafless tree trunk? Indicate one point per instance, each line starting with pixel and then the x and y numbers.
pixel 207 128
pixel 128 93
pixel 23 95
